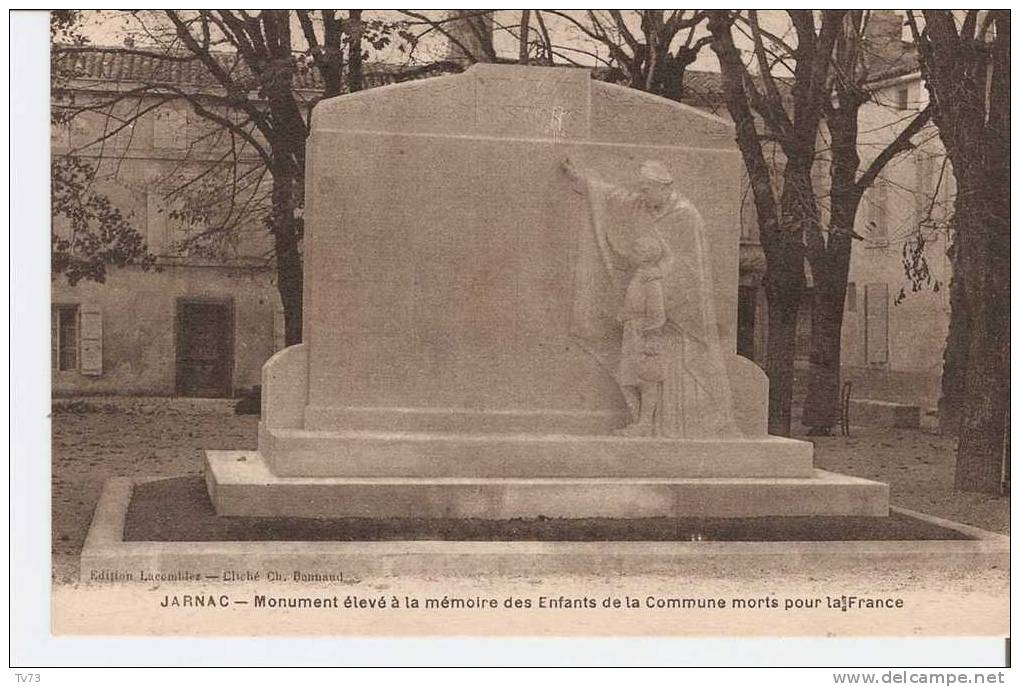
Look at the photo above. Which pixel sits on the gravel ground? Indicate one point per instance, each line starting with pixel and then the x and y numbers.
pixel 95 439
pixel 918 467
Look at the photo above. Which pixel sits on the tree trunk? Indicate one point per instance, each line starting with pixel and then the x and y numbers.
pixel 954 358
pixel 779 351
pixel 782 225
pixel 983 246
pixel 985 260
pixel 285 228
pixel 784 285
pixel 830 264
pixel 355 69
pixel 969 77
pixel 822 400
pixel 522 52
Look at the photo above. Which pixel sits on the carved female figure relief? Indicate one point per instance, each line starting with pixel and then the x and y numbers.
pixel 643 305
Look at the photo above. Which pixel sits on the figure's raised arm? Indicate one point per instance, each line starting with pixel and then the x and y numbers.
pixel 587 180
pixel 598 196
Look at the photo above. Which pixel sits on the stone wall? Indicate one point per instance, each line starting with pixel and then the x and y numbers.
pixel 138 315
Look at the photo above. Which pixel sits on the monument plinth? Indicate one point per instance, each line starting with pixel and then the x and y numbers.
pixel 520 300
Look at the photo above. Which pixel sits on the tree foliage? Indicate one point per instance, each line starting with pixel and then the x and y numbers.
pixel 90 234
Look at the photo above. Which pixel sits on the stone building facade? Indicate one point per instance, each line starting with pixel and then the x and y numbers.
pixel 193 325
pixel 200 323
pixel 888 324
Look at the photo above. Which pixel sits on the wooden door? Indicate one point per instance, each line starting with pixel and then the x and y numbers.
pixel 205 348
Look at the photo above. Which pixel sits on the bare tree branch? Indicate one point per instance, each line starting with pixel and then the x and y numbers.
pixel 898 145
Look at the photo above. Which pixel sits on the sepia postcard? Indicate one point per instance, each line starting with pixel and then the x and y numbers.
pixel 517 323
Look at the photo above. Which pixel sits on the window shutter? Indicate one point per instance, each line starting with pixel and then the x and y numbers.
pixel 91 337
pixel 878 235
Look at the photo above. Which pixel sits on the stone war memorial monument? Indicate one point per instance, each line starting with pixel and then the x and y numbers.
pixel 520 301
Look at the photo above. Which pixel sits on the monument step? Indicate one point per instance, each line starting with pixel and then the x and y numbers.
pixel 241 484
pixel 463 420
pixel 356 453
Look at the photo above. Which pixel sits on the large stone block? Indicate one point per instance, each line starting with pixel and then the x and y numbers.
pixel 241 483
pixel 441 239
pixel 368 453
pixel 442 371
pixel 443 295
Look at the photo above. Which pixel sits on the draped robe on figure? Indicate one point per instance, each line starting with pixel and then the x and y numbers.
pixel 696 399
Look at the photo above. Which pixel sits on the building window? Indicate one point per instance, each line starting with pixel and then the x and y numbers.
pixel 64 337
pixel 851 297
pixel 166 231
pixel 903 98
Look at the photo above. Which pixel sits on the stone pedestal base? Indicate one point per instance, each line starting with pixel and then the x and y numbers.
pixel 360 453
pixel 240 483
